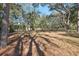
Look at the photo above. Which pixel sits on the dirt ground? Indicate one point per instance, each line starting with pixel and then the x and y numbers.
pixel 42 44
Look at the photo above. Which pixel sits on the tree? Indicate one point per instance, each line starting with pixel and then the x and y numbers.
pixel 1 16
pixel 4 29
pixel 78 20
pixel 63 9
pixel 15 13
pixel 32 16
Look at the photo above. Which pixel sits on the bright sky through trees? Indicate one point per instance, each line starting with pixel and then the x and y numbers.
pixel 44 10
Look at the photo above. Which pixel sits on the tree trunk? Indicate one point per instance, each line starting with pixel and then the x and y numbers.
pixel 4 29
pixel 78 20
pixel 64 20
pixel 68 22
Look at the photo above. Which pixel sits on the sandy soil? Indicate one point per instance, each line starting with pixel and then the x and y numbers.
pixel 42 44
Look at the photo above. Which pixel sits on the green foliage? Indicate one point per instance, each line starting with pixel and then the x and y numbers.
pixel 1 6
pixel 50 22
pixel 73 16
pixel 32 17
pixel 11 28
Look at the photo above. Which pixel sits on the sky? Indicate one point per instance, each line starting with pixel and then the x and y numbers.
pixel 44 10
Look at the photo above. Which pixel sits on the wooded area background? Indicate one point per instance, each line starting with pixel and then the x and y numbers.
pixel 27 18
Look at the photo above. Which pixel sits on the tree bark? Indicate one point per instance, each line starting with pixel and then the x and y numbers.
pixel 78 20
pixel 68 21
pixel 4 29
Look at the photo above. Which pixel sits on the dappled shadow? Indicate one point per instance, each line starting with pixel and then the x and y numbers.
pixel 30 49
pixel 49 42
pixel 64 39
pixel 76 35
pixel 12 33
pixel 19 47
pixel 48 35
pixel 15 39
pixel 4 51
pixel 68 41
pixel 12 41
pixel 41 44
pixel 36 44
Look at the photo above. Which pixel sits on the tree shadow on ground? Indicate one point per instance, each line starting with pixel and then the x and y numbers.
pixel 49 42
pixel 19 46
pixel 68 41
pixel 18 50
pixel 5 51
pixel 71 34
pixel 12 33
pixel 14 40
pixel 63 39
pixel 40 52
